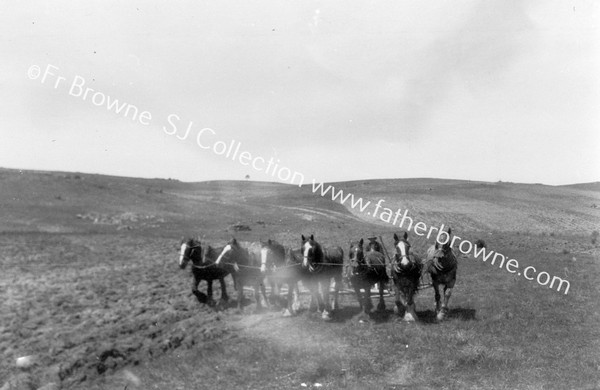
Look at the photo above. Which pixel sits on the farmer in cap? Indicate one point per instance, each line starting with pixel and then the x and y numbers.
pixel 374 245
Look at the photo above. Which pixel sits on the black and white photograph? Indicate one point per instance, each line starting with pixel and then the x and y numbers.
pixel 299 195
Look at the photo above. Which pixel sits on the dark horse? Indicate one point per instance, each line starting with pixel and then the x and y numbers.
pixel 442 266
pixel 406 273
pixel 320 265
pixel 365 270
pixel 246 269
pixel 202 269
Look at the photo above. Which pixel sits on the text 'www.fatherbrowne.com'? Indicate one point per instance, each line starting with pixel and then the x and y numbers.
pixel 402 219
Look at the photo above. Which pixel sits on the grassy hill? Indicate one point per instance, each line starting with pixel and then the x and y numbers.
pixel 488 207
pixel 77 203
pixel 74 202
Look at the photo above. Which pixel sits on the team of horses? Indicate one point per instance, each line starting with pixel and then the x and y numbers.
pixel 315 266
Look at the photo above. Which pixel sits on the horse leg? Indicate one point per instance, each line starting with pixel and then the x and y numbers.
pixel 436 289
pixel 279 288
pixel 411 315
pixel 257 286
pixel 199 295
pixel 381 305
pixel 279 285
pixel 398 299
pixel 325 286
pixel 224 296
pixel 276 286
pixel 358 296
pixel 320 293
pixel 296 303
pixel 290 309
pixel 444 310
pixel 275 296
pixel 316 298
pixel 336 292
pixel 264 293
pixel 272 290
pixel 368 301
pixel 240 293
pixel 209 292
pixel 404 300
pixel 313 287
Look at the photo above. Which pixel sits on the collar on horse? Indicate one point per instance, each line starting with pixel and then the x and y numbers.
pixel 412 264
pixel 443 259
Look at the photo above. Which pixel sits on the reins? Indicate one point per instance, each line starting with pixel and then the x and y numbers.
pixel 241 265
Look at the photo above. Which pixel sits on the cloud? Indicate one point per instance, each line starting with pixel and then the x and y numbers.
pixel 382 77
pixel 473 55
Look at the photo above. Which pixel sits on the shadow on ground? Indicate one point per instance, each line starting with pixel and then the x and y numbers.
pixel 459 313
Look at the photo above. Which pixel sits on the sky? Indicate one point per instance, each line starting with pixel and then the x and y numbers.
pixel 476 90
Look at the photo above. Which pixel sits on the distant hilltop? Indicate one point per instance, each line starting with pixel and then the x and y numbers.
pixel 80 202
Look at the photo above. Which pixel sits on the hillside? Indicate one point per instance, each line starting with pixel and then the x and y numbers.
pixel 74 202
pixel 78 203
pixel 487 207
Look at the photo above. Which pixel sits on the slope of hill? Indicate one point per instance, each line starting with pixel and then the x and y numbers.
pixel 480 206
pixel 73 202
pixel 58 202
pixel 594 186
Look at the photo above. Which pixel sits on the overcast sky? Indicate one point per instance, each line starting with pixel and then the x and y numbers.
pixel 337 90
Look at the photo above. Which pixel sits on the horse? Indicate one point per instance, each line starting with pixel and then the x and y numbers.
pixel 288 271
pixel 202 269
pixel 246 269
pixel 274 265
pixel 374 245
pixel 441 266
pixel 365 270
pixel 320 265
pixel 406 274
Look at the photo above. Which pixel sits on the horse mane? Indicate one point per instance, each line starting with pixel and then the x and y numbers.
pixel 294 256
pixel 445 256
pixel 317 251
pixel 277 248
pixel 211 253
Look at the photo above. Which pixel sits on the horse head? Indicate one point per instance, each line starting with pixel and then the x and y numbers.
pixel 190 249
pixel 442 255
pixel 445 246
pixel 312 253
pixel 232 251
pixel 402 255
pixel 356 255
pixel 272 254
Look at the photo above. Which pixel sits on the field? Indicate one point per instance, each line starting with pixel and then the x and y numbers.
pixel 91 288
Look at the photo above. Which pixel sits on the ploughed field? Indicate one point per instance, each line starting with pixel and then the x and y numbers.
pixel 91 288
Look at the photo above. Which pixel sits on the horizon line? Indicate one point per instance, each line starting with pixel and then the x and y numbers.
pixel 283 183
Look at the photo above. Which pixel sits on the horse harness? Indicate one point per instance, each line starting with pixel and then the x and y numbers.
pixel 437 260
pixel 409 256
